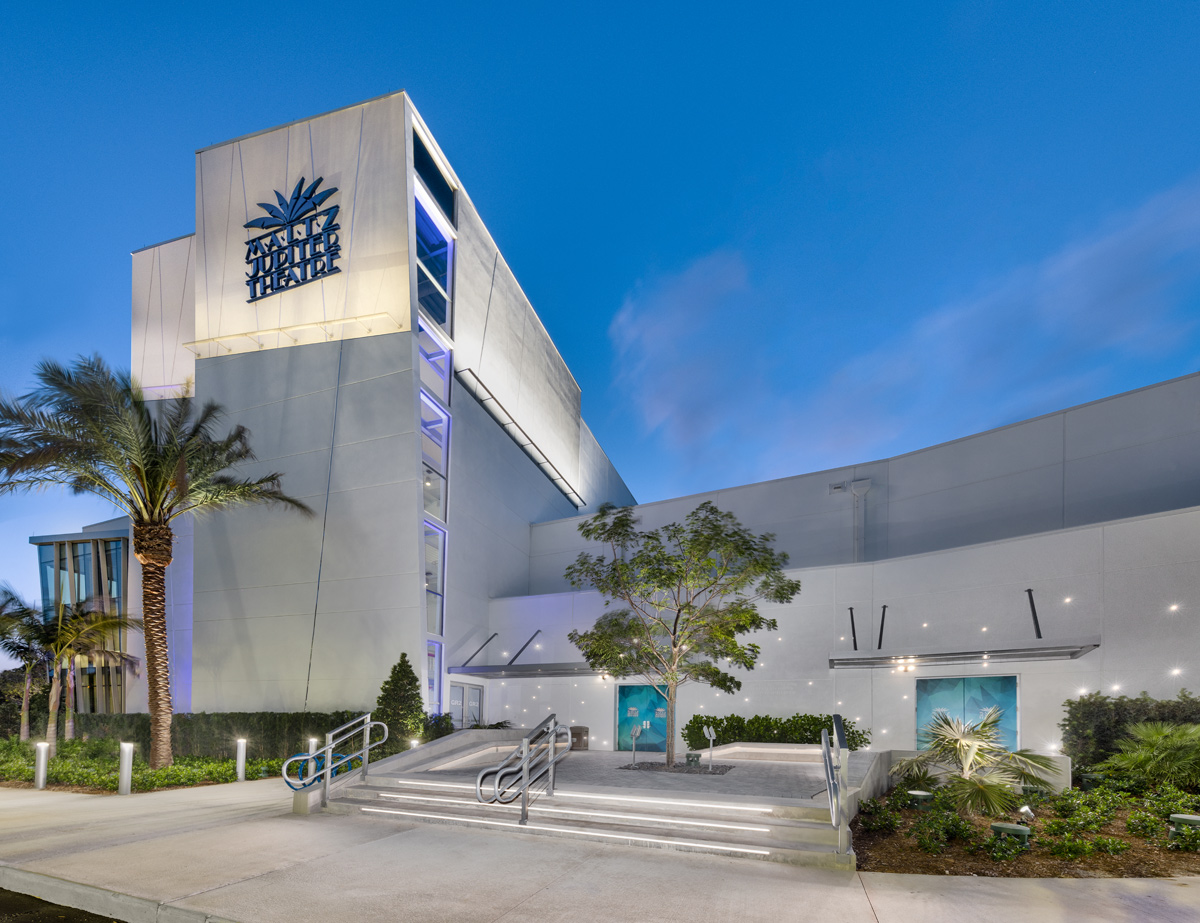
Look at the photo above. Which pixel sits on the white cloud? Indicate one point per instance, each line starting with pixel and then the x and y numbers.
pixel 1045 336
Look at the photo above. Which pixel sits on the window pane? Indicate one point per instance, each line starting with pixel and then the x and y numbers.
pixel 46 571
pixel 433 666
pixel 435 428
pixel 435 364
pixel 114 552
pixel 435 542
pixel 432 300
pixel 433 249
pixel 435 493
pixel 83 570
pixel 433 612
pixel 427 169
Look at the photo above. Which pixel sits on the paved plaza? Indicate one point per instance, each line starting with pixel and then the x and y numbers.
pixel 234 852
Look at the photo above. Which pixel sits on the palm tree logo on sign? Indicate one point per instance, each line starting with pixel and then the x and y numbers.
pixel 301 243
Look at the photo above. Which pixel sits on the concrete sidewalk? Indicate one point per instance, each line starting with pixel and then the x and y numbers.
pixel 233 852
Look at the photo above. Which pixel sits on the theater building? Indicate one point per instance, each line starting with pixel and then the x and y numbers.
pixel 342 298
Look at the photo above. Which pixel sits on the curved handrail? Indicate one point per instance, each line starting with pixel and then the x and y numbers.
pixel 326 762
pixel 534 757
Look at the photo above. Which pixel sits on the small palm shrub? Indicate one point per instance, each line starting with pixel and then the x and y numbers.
pixel 1158 753
pixel 982 776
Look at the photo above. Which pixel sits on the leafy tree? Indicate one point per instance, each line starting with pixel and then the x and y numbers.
pixel 78 629
pixel 399 705
pixel 1159 753
pixel 679 595
pixel 23 636
pixel 981 773
pixel 91 430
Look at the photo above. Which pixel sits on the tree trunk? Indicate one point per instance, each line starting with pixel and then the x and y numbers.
pixel 52 719
pixel 671 690
pixel 69 730
pixel 158 675
pixel 152 546
pixel 25 701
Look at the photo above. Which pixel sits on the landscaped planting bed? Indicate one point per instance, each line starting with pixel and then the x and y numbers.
pixel 1098 834
pixel 91 766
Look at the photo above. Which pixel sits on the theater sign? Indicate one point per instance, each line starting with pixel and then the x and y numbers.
pixel 300 243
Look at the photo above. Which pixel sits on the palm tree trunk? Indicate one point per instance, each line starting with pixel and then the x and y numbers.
pixel 69 732
pixel 671 690
pixel 158 665
pixel 25 701
pixel 52 719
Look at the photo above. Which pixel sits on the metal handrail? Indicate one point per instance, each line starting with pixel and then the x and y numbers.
pixel 324 764
pixel 836 759
pixel 534 757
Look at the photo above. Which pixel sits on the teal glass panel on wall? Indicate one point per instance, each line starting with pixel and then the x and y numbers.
pixel 965 697
pixel 645 706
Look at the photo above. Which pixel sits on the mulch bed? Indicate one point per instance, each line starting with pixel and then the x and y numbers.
pixel 880 851
pixel 718 769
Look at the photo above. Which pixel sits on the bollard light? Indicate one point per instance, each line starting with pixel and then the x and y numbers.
pixel 241 759
pixel 39 764
pixel 414 743
pixel 125 770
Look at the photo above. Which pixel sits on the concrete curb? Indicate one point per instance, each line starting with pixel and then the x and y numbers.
pixel 100 901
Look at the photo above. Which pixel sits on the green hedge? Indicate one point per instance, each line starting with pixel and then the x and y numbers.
pixel 269 735
pixel 798 729
pixel 1095 722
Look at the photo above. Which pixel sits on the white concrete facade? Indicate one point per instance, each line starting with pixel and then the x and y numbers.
pixel 1098 503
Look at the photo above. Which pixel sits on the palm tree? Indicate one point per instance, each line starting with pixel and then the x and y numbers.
pixel 981 774
pixel 90 429
pixel 78 629
pixel 23 637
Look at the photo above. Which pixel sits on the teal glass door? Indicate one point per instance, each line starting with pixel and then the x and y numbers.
pixel 646 707
pixel 966 697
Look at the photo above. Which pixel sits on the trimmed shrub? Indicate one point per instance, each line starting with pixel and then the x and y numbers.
pixel 268 735
pixel 1094 723
pixel 1145 824
pixel 1003 848
pixel 798 729
pixel 932 831
pixel 1070 846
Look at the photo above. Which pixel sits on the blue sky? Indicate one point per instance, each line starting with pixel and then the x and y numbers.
pixel 766 240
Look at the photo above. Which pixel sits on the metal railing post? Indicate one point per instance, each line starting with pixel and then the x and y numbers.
pixel 366 744
pixel 525 780
pixel 327 770
pixel 553 752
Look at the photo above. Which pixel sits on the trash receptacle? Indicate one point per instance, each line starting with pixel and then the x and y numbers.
pixel 579 738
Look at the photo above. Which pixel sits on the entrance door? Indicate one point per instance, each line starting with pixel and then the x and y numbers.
pixel 645 706
pixel 466 705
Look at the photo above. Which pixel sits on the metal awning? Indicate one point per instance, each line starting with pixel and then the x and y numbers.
pixel 518 671
pixel 1045 649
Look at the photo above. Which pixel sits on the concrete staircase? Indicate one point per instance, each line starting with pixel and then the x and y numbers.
pixel 777 830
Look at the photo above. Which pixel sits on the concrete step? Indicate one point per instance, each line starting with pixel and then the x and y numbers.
pixel 749 844
pixel 722 807
pixel 648 814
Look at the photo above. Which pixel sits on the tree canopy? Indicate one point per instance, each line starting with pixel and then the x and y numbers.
pixel 677 599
